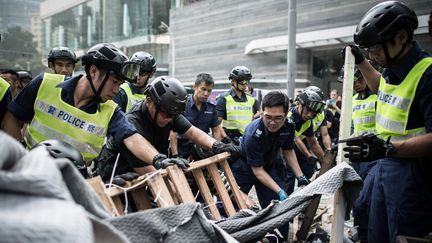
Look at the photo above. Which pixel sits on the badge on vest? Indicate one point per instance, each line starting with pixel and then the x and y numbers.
pixel 258 133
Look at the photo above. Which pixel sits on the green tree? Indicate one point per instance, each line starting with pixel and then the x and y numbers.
pixel 18 51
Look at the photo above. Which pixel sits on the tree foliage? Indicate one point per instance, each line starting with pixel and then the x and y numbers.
pixel 18 51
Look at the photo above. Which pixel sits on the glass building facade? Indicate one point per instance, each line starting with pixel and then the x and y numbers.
pixel 114 21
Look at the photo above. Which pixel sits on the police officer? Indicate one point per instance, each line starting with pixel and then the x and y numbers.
pixel 5 98
pixel 237 108
pixel 306 159
pixel 402 189
pixel 308 104
pixel 79 111
pixel 131 93
pixel 62 60
pixel 201 113
pixel 154 118
pixel 262 165
pixel 24 78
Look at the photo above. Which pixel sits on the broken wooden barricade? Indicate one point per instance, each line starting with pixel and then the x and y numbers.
pixel 169 187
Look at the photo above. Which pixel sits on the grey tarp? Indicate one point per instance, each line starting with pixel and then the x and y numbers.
pixel 247 227
pixel 46 200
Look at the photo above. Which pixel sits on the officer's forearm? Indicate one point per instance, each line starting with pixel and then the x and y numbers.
pixel 325 137
pixel 265 178
pixel 302 147
pixel 141 148
pixel 199 137
pixel 415 147
pixel 12 126
pixel 370 74
pixel 291 159
pixel 316 148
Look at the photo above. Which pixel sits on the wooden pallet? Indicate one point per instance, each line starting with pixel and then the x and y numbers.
pixel 169 187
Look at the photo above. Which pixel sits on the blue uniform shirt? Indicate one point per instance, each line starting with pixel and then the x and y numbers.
pixel 296 118
pixel 261 147
pixel 421 109
pixel 221 103
pixel 22 107
pixel 205 118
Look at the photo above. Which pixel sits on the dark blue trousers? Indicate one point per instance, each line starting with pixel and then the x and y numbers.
pixel 246 179
pixel 361 206
pixel 400 200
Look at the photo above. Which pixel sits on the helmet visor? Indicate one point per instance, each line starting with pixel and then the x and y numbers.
pixel 129 71
pixel 316 106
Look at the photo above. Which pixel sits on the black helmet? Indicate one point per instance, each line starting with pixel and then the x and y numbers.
pixel 312 100
pixel 316 90
pixel 60 149
pixel 168 94
pixel 111 59
pixel 240 73
pixel 145 60
pixel 383 21
pixel 62 53
pixel 357 74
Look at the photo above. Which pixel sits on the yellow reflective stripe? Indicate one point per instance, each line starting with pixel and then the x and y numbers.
pixel 53 134
pixel 414 132
pixel 393 100
pixel 364 120
pixel 60 115
pixel 390 125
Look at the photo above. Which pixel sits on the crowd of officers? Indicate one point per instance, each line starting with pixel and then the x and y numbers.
pixel 121 121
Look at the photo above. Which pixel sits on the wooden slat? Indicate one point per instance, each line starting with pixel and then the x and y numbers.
pixel 205 193
pixel 141 199
pixel 118 204
pixel 160 191
pixel 184 193
pixel 98 186
pixel 312 208
pixel 220 187
pixel 208 161
pixel 238 196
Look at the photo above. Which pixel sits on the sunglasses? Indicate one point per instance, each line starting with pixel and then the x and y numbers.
pixel 374 48
pixel 243 82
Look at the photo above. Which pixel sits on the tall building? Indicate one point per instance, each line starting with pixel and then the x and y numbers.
pixel 216 35
pixel 132 25
pixel 17 13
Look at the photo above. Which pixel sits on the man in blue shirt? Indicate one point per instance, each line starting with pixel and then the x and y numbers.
pixel 106 69
pixel 62 60
pixel 267 141
pixel 402 189
pixel 201 112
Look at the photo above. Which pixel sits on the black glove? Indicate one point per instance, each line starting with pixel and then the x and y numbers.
pixel 367 147
pixel 226 140
pixel 302 180
pixel 129 176
pixel 358 54
pixel 219 147
pixel 160 161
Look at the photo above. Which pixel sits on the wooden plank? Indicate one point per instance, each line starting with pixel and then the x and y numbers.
pixel 312 208
pixel 339 203
pixel 171 189
pixel 182 188
pixel 208 161
pixel 98 186
pixel 205 193
pixel 118 204
pixel 141 199
pixel 220 187
pixel 238 195
pixel 160 190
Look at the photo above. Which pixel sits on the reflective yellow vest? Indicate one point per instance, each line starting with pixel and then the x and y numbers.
pixel 363 114
pixel 317 121
pixel 394 104
pixel 239 114
pixel 132 98
pixel 55 119
pixel 303 128
pixel 4 86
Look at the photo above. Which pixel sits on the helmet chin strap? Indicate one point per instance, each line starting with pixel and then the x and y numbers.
pixel 391 61
pixel 96 93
